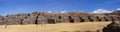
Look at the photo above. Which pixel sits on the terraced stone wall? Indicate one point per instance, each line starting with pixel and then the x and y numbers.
pixel 44 18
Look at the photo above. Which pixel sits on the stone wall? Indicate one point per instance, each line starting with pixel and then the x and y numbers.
pixel 48 18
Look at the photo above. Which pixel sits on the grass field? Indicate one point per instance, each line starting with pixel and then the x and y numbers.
pixel 60 27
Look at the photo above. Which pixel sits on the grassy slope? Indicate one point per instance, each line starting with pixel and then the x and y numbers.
pixel 61 27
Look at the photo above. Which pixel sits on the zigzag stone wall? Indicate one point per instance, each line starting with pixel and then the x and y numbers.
pixel 44 18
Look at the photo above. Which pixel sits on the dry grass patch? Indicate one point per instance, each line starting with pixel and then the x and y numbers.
pixel 61 27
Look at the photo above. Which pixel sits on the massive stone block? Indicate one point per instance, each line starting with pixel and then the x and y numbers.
pixel 98 18
pixel 42 20
pixel 29 20
pixel 1 18
pixel 65 19
pixel 91 18
pixel 76 19
pixel 113 19
pixel 104 19
pixel 94 19
pixel 59 20
pixel 85 19
pixel 1 21
pixel 22 17
pixel 109 18
pixel 51 21
pixel 116 18
pixel 11 21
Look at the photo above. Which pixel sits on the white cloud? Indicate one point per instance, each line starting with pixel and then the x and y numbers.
pixel 101 11
pixel 49 11
pixel 64 11
pixel 118 8
pixel 82 11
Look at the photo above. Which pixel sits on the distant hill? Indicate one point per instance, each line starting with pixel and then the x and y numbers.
pixel 117 12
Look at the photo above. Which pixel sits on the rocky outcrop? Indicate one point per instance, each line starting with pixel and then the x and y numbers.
pixel 112 27
pixel 50 18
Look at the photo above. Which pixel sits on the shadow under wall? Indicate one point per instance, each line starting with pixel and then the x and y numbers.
pixel 105 19
pixel 81 19
pixel 71 20
pixel 98 18
pixel 90 19
pixel 51 21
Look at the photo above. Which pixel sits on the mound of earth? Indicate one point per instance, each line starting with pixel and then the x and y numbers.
pixel 112 27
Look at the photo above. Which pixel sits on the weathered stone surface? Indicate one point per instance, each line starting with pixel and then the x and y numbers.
pixel 112 27
pixel 104 19
pixel 1 21
pixel 109 19
pixel 51 21
pixel 1 18
pixel 12 20
pixel 65 19
pixel 118 18
pixel 29 20
pixel 85 19
pixel 82 19
pixel 59 20
pixel 91 19
pixel 99 18
pixel 22 17
pixel 76 19
pixel 42 20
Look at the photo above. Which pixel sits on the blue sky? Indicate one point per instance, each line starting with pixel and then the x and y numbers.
pixel 57 6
